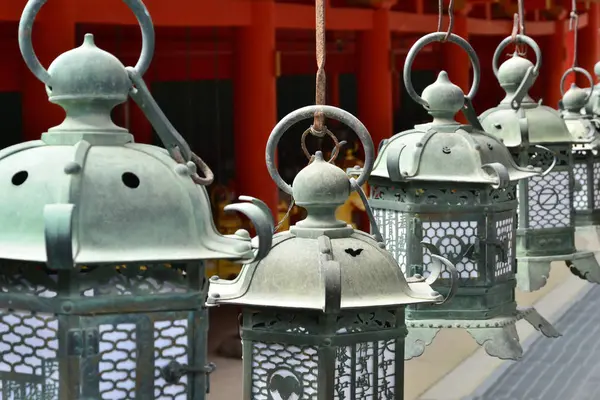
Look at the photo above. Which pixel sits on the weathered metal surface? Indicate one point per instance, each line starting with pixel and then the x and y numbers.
pixel 102 242
pixel 323 313
pixel 454 186
pixel 539 136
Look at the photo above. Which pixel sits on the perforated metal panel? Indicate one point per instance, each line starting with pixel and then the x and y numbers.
pixel 394 230
pixel 581 190
pixel 504 258
pixel 282 372
pixel 550 201
pixel 455 240
pixel 372 361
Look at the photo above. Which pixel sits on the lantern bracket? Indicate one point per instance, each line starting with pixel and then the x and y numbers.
pixel 33 7
pixel 581 71
pixel 175 144
pixel 532 72
pixel 83 343
pixel 467 107
pixel 58 232
pixel 307 112
pixel 435 270
pixel 174 371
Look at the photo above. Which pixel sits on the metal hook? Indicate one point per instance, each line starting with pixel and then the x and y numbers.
pixel 450 17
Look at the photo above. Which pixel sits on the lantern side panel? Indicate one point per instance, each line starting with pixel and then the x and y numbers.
pixel 394 224
pixel 546 213
pixel 581 189
pixel 28 338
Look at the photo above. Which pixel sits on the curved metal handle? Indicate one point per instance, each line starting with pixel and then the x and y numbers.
pixel 435 271
pixel 308 112
pixel 259 214
pixel 439 37
pixel 530 75
pixel 32 8
pixel 363 197
pixel 581 71
pixel 500 172
pixel 554 161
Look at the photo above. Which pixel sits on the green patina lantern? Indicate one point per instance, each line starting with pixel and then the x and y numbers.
pixel 586 160
pixel 102 242
pixel 323 313
pixel 537 135
pixel 454 186
pixel 592 103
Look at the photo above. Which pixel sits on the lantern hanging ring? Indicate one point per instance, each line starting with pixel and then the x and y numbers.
pixel 581 71
pixel 439 37
pixel 336 143
pixel 531 74
pixel 305 113
pixel 32 8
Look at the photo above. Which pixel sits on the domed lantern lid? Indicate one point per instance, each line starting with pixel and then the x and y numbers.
pixel 582 127
pixel 445 150
pixel 322 263
pixel 518 119
pixel 591 106
pixel 87 194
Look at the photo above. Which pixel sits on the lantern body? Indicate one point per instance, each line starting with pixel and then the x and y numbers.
pixel 102 332
pixel 102 250
pixel 454 186
pixel 323 313
pixel 472 225
pixel 537 136
pixel 546 226
pixel 355 354
pixel 586 194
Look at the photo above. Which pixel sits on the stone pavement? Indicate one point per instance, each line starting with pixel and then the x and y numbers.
pixel 563 369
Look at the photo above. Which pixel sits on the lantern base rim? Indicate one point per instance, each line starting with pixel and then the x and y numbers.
pixel 533 272
pixel 498 336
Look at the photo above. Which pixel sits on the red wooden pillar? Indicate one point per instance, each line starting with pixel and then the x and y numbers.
pixel 588 46
pixel 255 103
pixel 53 34
pixel 455 61
pixel 555 56
pixel 375 77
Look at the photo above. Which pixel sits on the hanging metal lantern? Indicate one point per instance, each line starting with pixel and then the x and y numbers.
pixel 593 102
pixel 102 242
pixel 323 313
pixel 537 135
pixel 454 186
pixel 586 160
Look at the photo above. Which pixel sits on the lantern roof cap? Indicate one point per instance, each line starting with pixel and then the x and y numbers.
pixel 88 73
pixel 304 272
pixel 574 99
pixel 445 150
pixel 322 263
pixel 111 203
pixel 583 128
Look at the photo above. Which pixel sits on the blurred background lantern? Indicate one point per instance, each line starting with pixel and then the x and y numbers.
pixel 537 136
pixel 586 160
pixel 323 313
pixel 103 241
pixel 454 186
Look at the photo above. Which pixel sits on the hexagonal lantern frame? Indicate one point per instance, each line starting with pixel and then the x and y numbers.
pixel 323 313
pixel 103 242
pixel 537 136
pixel 454 186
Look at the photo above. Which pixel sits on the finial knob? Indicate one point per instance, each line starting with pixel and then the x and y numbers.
pixel 88 73
pixel 445 99
pixel 574 99
pixel 512 72
pixel 597 69
pixel 321 183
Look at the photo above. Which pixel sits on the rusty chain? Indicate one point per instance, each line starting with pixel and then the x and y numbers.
pixel 450 17
pixel 574 26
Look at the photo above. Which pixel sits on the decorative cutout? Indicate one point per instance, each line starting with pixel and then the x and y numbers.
pixel 393 228
pixel 550 200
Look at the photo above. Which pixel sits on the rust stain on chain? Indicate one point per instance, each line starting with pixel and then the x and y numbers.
pixel 321 83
